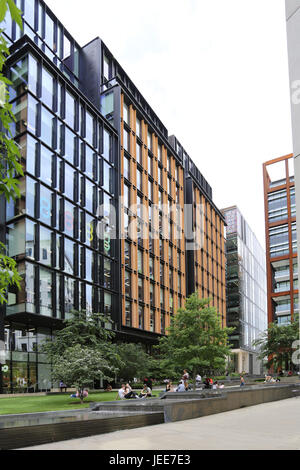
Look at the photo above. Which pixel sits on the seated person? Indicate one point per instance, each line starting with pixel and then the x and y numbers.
pixel 145 392
pixel 108 388
pixel 129 393
pixel 221 385
pixel 181 387
pixel 169 387
pixel 121 392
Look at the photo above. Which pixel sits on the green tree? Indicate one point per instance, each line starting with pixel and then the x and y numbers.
pixel 87 333
pixel 10 167
pixel 79 366
pixel 196 340
pixel 136 362
pixel 276 345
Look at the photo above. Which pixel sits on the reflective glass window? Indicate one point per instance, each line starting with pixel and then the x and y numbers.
pixel 47 87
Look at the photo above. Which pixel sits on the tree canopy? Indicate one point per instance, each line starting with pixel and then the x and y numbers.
pixel 196 340
pixel 276 345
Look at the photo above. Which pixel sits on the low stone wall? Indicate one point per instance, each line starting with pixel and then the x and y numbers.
pixel 24 436
pixel 178 410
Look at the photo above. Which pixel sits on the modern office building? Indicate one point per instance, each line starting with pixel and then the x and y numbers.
pixel 102 223
pixel 293 41
pixel 246 291
pixel 281 239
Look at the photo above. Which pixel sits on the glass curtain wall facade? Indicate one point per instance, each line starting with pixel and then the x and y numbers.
pixel 281 239
pixel 89 140
pixel 246 290
pixel 70 159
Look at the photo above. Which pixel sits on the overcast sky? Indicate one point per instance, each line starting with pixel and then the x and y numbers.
pixel 216 74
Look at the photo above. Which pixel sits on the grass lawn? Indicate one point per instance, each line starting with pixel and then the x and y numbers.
pixel 35 404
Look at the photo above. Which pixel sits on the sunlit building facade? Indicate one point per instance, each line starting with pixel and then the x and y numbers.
pixel 101 222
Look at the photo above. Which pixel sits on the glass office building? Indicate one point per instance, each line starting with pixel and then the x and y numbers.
pixel 246 290
pixel 94 155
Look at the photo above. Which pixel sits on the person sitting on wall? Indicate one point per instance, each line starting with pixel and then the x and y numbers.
pixel 181 387
pixel 108 388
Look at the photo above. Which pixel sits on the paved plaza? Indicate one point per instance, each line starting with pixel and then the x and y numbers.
pixel 269 426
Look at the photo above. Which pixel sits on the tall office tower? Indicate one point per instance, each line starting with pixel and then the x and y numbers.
pixel 101 224
pixel 246 291
pixel 293 42
pixel 281 239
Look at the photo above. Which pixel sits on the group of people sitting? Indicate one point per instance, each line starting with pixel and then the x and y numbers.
pixel 184 386
pixel 210 384
pixel 126 392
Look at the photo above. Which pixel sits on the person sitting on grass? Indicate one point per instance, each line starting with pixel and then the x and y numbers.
pixel 121 392
pixel 145 392
pixel 129 393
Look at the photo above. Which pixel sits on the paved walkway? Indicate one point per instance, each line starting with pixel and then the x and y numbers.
pixel 269 426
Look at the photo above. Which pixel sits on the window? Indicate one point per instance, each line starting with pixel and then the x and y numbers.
pixel 49 31
pixel 138 128
pixel 277 206
pixel 140 289
pixel 149 140
pixel 90 167
pixel 29 12
pixel 69 218
pixel 127 283
pixel 160 153
pixel 69 181
pixel 126 168
pixel 126 140
pixel 126 196
pixel 127 254
pixel 45 292
pixel 151 268
pixel 69 145
pixel 127 313
pixel 47 88
pixel 107 303
pixel 139 154
pixel 150 165
pixel 107 177
pixel 279 242
pixel 70 109
pixel 69 256
pixel 47 126
pixel 139 180
pixel 126 114
pixel 106 68
pixel 46 165
pixel 45 246
pixel 107 273
pixel 89 132
pixel 45 205
pixel 107 145
pixel 152 319
pixel 141 317
pixel 140 261
pixel 152 293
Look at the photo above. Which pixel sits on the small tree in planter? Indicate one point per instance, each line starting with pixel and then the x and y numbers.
pixel 79 366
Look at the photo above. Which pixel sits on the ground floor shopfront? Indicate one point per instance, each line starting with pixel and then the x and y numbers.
pixel 24 367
